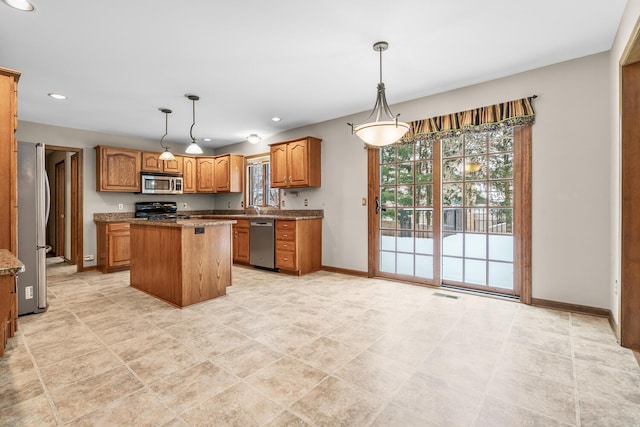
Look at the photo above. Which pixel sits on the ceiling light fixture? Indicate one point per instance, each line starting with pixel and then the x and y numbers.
pixel 254 138
pixel 386 129
pixel 57 96
pixel 167 155
pixel 193 148
pixel 206 139
pixel 275 119
pixel 20 5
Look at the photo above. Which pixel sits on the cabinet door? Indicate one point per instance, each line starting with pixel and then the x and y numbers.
pixel 222 174
pixel 119 249
pixel 173 166
pixel 151 162
pixel 188 174
pixel 298 163
pixel 278 160
pixel 205 175
pixel 243 244
pixel 118 169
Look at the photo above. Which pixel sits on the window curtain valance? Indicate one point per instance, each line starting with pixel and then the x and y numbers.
pixel 511 113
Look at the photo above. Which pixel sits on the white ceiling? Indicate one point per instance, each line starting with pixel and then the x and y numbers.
pixel 249 60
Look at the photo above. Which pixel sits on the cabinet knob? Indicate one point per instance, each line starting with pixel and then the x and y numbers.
pixel 285 259
pixel 284 235
pixel 289 179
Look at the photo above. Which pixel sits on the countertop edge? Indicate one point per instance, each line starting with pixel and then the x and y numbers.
pixel 9 264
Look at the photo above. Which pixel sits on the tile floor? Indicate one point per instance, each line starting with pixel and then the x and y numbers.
pixel 323 350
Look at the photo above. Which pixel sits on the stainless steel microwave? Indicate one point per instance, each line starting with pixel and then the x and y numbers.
pixel 161 183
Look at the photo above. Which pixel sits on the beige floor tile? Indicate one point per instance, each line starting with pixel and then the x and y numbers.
pixel 286 380
pixel 220 340
pixel 15 361
pixel 247 358
pixel 377 374
pixel 496 412
pixel 166 318
pixel 93 393
pixel 355 334
pixel 325 354
pixel 337 403
pixel 141 408
pixel 527 390
pixel 287 419
pixel 393 415
pixel 32 412
pixel 287 338
pixel 605 410
pixel 192 328
pixel 143 344
pixel 78 368
pixel 422 394
pixel 20 388
pixel 544 365
pixel 164 362
pixel 609 354
pixel 116 331
pixel 540 339
pixel 188 387
pixel 255 325
pixel 594 378
pixel 403 349
pixel 240 405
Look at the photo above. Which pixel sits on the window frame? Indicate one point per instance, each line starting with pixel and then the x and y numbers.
pixel 264 159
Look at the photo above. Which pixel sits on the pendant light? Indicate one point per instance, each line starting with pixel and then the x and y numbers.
pixel 193 148
pixel 167 155
pixel 385 129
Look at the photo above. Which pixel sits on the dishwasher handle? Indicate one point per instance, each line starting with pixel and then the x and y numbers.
pixel 261 223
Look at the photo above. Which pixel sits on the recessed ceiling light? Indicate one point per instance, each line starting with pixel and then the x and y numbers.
pixel 57 96
pixel 276 119
pixel 206 139
pixel 20 5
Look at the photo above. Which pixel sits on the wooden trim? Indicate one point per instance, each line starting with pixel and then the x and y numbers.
pixel 74 209
pixel 346 271
pixel 630 205
pixel 573 308
pixel 79 189
pixel 373 218
pixel 637 356
pixel 631 52
pixel 522 211
pixel 437 213
pixel 60 208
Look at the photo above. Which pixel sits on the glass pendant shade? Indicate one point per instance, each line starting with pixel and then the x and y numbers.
pixel 167 155
pixel 193 148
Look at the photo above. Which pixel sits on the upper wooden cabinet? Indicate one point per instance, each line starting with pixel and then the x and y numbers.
pixel 220 174
pixel 296 163
pixel 151 163
pixel 228 170
pixel 189 176
pixel 205 175
pixel 118 169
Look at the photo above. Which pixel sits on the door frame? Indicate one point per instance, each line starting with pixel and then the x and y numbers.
pixel 60 208
pixel 77 219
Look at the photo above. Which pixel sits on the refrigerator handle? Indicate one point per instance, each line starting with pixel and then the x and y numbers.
pixel 47 198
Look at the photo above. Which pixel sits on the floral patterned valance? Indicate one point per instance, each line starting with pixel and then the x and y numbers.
pixel 511 113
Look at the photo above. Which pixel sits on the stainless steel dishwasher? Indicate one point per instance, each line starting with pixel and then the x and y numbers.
pixel 262 243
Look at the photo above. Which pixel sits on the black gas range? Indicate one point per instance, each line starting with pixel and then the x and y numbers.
pixel 157 211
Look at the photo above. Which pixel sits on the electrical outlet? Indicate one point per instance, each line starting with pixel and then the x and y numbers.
pixel 282 203
pixel 306 202
pixel 242 204
pixel 229 205
pixel 615 288
pixel 184 204
pixel 89 258
pixel 364 201
pixel 120 206
pixel 28 292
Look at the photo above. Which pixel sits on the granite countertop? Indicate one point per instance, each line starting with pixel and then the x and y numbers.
pixel 219 214
pixel 9 264
pixel 185 223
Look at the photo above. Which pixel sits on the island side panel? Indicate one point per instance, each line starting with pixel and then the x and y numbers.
pixel 156 262
pixel 207 262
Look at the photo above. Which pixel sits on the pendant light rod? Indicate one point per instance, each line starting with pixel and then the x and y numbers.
pixel 166 112
pixel 193 99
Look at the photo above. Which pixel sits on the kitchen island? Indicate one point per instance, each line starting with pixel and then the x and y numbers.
pixel 182 262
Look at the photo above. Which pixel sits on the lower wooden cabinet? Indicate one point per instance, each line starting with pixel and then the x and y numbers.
pixel 8 310
pixel 299 245
pixel 113 246
pixel 240 232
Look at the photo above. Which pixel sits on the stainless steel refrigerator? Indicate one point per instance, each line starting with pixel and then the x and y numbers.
pixel 33 213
